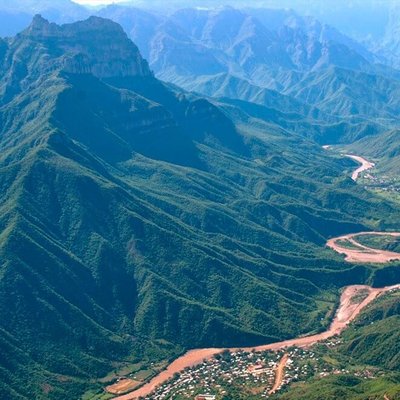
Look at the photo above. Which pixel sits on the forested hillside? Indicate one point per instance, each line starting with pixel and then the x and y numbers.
pixel 138 220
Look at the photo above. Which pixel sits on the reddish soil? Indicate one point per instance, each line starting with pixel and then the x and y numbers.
pixel 347 312
pixel 123 386
pixel 279 374
pixel 365 165
pixel 364 254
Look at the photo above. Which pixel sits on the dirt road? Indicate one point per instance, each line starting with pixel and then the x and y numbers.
pixel 363 254
pixel 365 165
pixel 347 311
pixel 279 374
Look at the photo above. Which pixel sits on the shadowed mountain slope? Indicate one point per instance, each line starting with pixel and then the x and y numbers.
pixel 138 219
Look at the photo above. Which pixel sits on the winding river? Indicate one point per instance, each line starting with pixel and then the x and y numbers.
pixel 365 165
pixel 346 312
pixel 359 253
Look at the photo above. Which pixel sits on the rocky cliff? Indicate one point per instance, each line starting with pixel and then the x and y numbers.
pixel 96 45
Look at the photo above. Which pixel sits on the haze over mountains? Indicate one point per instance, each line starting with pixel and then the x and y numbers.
pixel 140 219
pixel 309 77
pixel 370 22
pixel 274 58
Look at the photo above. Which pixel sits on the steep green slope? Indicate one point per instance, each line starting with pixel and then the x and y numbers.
pixel 385 148
pixel 346 92
pixel 135 216
pixel 372 340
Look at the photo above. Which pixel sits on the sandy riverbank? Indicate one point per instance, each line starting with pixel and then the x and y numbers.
pixel 347 312
pixel 361 253
pixel 365 165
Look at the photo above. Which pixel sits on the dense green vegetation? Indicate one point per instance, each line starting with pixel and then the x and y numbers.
pixel 346 387
pixel 137 220
pixel 391 243
pixel 372 340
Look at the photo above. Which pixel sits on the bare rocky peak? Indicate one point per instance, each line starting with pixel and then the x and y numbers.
pixel 96 45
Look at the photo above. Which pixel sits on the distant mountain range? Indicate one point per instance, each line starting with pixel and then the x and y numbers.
pixel 138 220
pixel 270 57
pixel 370 22
pixel 388 47
pixel 17 15
pixel 274 58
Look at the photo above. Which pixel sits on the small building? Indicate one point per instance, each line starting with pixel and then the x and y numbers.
pixel 256 367
pixel 205 397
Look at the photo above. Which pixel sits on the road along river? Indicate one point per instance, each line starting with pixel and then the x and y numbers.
pixel 348 310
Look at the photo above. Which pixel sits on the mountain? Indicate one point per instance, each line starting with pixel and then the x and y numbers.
pixel 371 341
pixel 388 47
pixel 265 52
pixel 276 19
pixel 139 220
pixel 17 15
pixel 256 51
pixel 274 58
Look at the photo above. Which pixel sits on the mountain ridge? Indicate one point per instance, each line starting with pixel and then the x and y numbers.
pixel 139 220
pixel 298 57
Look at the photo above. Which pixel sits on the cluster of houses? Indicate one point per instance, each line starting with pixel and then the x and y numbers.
pixel 254 372
pixel 211 379
pixel 384 183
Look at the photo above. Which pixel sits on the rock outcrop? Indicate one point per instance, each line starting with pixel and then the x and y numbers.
pixel 96 45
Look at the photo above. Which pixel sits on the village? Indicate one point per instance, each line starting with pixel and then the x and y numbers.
pixel 253 372
pixel 264 371
pixel 382 182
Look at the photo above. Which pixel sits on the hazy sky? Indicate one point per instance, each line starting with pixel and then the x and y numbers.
pixel 293 3
pixel 97 2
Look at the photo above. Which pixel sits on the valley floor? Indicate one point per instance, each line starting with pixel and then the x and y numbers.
pixel 357 252
pixel 365 166
pixel 353 300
